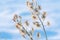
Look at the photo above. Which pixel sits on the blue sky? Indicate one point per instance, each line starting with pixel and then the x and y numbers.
pixel 8 8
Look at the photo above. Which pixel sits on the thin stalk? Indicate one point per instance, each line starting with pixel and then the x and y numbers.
pixel 43 27
pixel 26 31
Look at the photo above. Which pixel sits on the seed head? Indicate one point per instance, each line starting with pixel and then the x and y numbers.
pixel 44 15
pixel 27 23
pixel 36 10
pixel 15 17
pixel 30 5
pixel 34 17
pixel 20 17
pixel 37 24
pixel 22 32
pixel 39 7
pixel 38 35
pixel 31 38
pixel 48 23
pixel 27 3
pixel 18 25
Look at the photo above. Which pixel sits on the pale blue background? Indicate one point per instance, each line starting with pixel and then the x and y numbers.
pixel 8 31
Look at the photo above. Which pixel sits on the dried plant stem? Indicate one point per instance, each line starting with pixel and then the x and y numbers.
pixel 26 31
pixel 43 27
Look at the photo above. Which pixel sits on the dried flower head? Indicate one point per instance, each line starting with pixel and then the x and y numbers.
pixel 31 38
pixel 44 15
pixel 20 17
pixel 18 25
pixel 27 23
pixel 27 3
pixel 30 5
pixel 36 10
pixel 22 32
pixel 15 17
pixel 37 24
pixel 39 7
pixel 34 17
pixel 48 23
pixel 38 35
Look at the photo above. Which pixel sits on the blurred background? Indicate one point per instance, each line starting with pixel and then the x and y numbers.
pixel 8 8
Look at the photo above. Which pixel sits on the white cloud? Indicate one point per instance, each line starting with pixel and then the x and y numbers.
pixel 56 37
pixel 12 31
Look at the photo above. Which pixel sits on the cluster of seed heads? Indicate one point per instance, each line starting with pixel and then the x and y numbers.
pixel 35 13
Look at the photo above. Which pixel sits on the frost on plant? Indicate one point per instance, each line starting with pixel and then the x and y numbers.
pixel 35 9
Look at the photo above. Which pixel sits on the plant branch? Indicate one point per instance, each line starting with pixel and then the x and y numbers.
pixel 43 27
